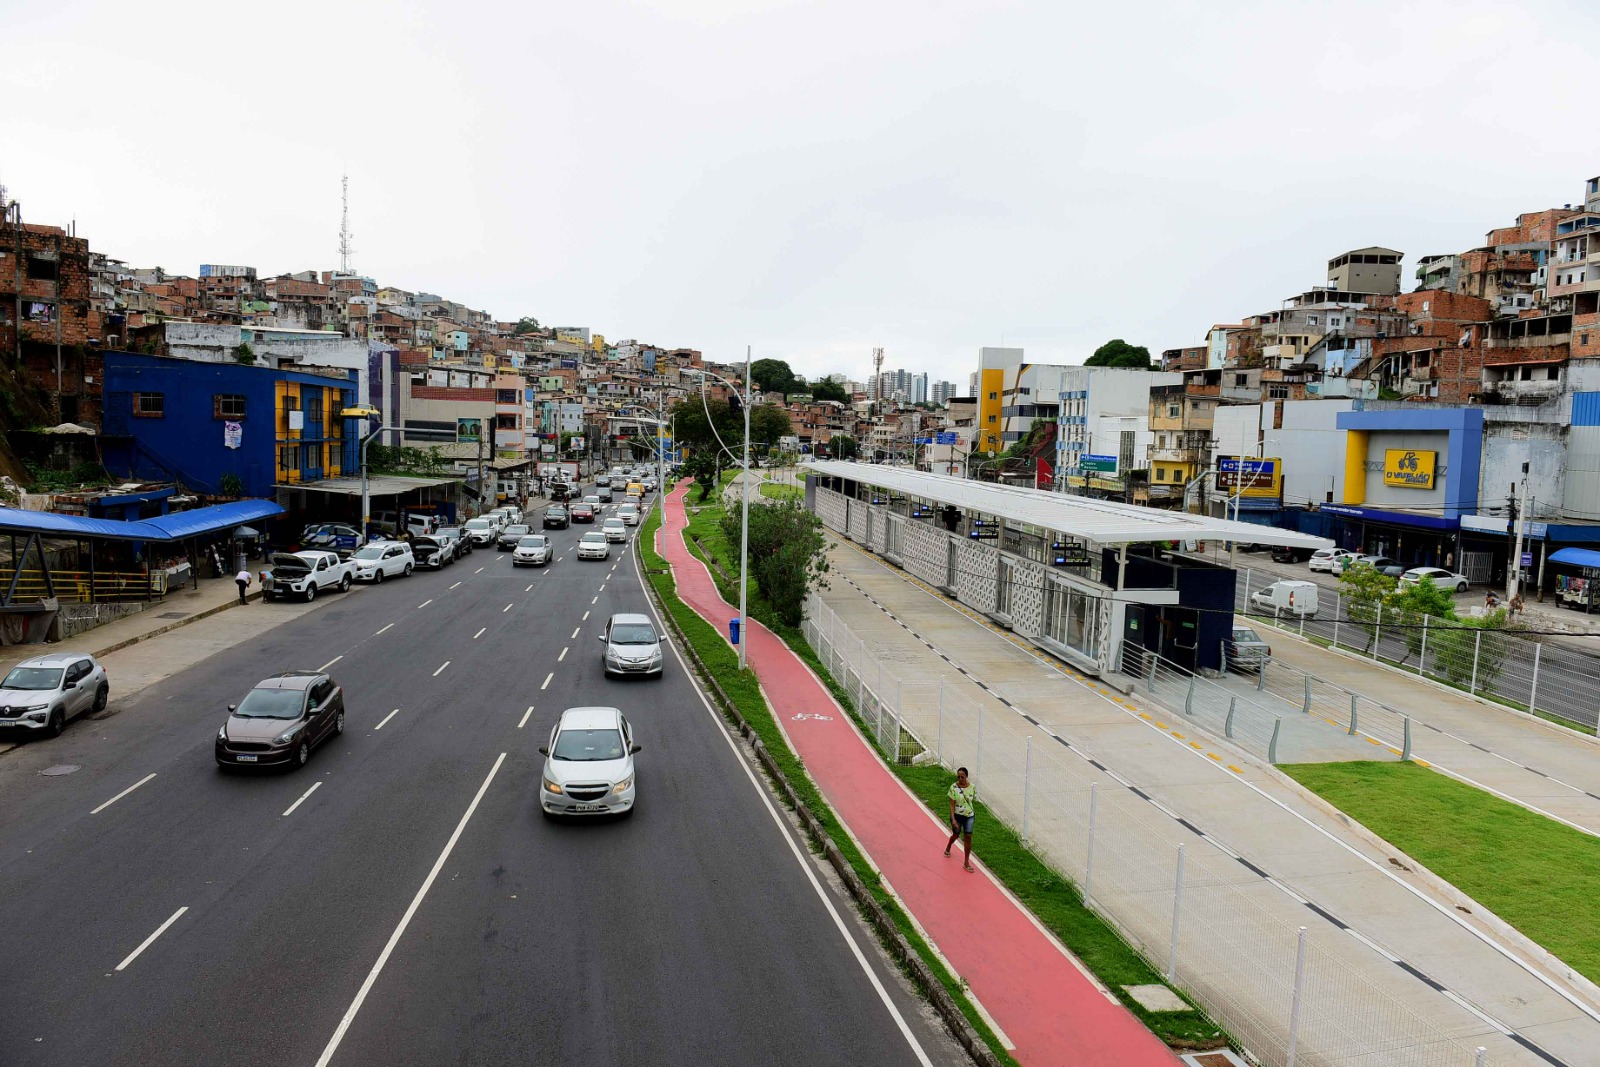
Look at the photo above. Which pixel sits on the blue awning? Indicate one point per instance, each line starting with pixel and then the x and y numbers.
pixel 173 527
pixel 1576 557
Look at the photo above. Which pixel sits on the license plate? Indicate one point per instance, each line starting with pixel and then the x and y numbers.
pixel 246 759
pixel 588 807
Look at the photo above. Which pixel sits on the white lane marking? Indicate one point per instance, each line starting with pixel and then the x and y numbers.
pixel 562 656
pixel 478 571
pixel 302 799
pixel 800 858
pixel 381 631
pixel 425 603
pixel 330 663
pixel 405 920
pixel 575 629
pixel 505 609
pixel 453 586
pixel 442 666
pixel 525 715
pixel 530 586
pixel 602 587
pixel 122 794
pixel 547 678
pixel 585 617
pixel 479 634
pixel 147 941
pixel 386 719
pixel 560 558
pixel 596 600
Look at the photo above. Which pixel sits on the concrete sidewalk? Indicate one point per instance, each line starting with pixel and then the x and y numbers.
pixel 1400 968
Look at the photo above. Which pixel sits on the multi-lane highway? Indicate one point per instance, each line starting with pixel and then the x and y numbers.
pixel 401 900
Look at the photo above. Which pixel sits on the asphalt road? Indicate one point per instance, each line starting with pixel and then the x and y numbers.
pixel 415 907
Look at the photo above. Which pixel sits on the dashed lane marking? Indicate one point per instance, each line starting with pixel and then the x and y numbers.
pixel 386 719
pixel 302 800
pixel 547 678
pixel 381 631
pixel 330 663
pixel 442 666
pixel 480 633
pixel 525 715
pixel 563 654
pixel 425 603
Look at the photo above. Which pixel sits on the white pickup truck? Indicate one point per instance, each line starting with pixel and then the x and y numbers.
pixel 305 574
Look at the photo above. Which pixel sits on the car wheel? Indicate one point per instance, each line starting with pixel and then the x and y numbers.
pixel 344 584
pixel 338 724
pixel 1461 587
pixel 377 576
pixel 100 697
pixel 311 592
pixel 57 725
pixel 407 572
pixel 302 754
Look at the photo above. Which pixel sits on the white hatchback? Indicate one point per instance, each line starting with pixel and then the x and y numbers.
pixel 588 765
pixel 614 530
pixel 629 514
pixel 1322 559
pixel 593 545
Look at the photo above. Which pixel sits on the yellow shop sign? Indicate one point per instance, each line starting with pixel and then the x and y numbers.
pixel 1409 468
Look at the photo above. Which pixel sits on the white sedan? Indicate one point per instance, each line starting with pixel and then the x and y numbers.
pixel 383 559
pixel 593 545
pixel 1442 578
pixel 614 530
pixel 1323 558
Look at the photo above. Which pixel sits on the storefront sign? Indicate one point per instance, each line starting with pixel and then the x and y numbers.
pixel 1261 478
pixel 1409 468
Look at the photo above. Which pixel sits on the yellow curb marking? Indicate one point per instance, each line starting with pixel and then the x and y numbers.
pixel 1234 769
pixel 1214 756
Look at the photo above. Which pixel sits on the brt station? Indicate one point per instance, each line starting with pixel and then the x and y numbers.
pixel 1087 580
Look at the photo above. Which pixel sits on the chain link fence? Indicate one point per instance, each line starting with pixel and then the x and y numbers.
pixel 1291 995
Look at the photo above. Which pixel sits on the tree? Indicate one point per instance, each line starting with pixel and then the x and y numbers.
pixel 828 389
pixel 1472 653
pixel 768 422
pixel 1367 596
pixel 1417 603
pixel 703 468
pixel 843 446
pixel 788 554
pixel 1119 353
pixel 773 376
pixel 526 324
pixel 243 353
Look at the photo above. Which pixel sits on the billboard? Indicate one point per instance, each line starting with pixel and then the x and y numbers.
pixel 468 430
pixel 1254 478
pixel 222 270
pixel 1409 468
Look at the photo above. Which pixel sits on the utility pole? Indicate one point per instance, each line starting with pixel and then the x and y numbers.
pixel 744 514
pixel 1518 520
pixel 481 491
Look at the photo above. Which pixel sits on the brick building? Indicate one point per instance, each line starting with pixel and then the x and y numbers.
pixel 48 323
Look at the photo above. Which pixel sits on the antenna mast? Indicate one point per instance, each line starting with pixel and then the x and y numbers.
pixel 877 376
pixel 346 250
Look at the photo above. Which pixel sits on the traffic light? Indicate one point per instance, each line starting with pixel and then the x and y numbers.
pixel 735 404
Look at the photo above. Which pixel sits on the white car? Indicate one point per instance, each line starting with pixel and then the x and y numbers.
pixel 614 530
pixel 42 693
pixel 1442 578
pixel 533 550
pixel 593 545
pixel 593 500
pixel 588 766
pixel 629 514
pixel 305 574
pixel 482 531
pixel 383 559
pixel 1323 558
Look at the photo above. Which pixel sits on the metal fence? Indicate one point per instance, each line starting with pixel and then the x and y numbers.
pixel 1524 671
pixel 1291 995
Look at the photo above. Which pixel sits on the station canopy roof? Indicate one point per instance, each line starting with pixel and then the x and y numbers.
pixel 176 526
pixel 377 485
pixel 1105 522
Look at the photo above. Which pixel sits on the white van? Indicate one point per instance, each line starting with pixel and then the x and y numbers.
pixel 1287 598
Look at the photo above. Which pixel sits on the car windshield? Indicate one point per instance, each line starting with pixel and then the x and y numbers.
pixel 633 633
pixel 595 538
pixel 588 746
pixel 613 524
pixel 531 542
pixel 32 678
pixel 272 704
pixel 369 552
pixel 515 531
pixel 478 524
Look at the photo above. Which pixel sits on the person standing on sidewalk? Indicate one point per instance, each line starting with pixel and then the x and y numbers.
pixel 963 795
pixel 243 579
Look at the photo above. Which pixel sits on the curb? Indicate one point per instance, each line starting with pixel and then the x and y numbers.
pixel 888 933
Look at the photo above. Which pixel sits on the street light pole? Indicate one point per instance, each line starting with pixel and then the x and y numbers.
pixel 744 519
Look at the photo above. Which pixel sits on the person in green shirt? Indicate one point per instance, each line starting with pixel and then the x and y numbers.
pixel 962 796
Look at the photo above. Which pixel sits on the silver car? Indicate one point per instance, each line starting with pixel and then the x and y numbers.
pixel 632 646
pixel 533 550
pixel 588 767
pixel 44 692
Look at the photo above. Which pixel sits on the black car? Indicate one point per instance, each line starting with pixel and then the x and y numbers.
pixel 556 518
pixel 511 535
pixel 1285 554
pixel 281 720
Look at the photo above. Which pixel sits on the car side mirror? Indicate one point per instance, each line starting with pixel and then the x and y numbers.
pixel 544 750
pixel 232 708
pixel 635 748
pixel 599 637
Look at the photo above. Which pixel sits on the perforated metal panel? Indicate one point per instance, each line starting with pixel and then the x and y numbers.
pixel 1027 597
pixel 977 563
pixel 830 508
pixel 926 552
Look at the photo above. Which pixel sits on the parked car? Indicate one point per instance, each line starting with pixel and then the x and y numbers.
pixel 1245 651
pixel 383 559
pixel 556 517
pixel 1441 577
pixel 593 545
pixel 431 552
pixel 512 534
pixel 1286 554
pixel 1323 559
pixel 1288 598
pixel 582 513
pixel 42 693
pixel 632 646
pixel 534 550
pixel 481 531
pixel 629 514
pixel 305 574
pixel 588 767
pixel 511 513
pixel 456 539
pixel 281 720
pixel 1382 564
pixel 614 530
pixel 331 536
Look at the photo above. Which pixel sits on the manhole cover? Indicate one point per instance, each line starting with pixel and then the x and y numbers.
pixel 173 615
pixel 60 768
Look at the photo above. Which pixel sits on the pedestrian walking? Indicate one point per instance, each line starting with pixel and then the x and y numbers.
pixel 243 580
pixel 963 795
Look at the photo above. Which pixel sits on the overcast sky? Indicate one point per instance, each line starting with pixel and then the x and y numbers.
pixel 811 178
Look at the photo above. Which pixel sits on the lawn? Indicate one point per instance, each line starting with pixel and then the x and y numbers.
pixel 1538 875
pixel 782 491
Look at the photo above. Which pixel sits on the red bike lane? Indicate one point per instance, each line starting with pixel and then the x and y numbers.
pixel 1047 1006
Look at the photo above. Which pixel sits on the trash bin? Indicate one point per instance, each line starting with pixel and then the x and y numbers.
pixel 733 630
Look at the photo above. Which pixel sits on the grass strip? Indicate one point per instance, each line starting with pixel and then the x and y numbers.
pixel 1538 875
pixel 1053 900
pixel 782 492
pixel 743 689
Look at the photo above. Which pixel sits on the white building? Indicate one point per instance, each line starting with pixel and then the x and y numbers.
pixel 1099 407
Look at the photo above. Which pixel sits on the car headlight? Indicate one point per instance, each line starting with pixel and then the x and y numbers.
pixel 611 653
pixel 623 786
pixel 551 787
pixel 222 733
pixel 36 707
pixel 287 737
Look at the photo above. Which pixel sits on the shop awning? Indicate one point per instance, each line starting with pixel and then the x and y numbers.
pixel 1576 557
pixel 173 527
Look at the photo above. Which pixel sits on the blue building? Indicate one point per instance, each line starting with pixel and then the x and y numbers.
pixel 206 425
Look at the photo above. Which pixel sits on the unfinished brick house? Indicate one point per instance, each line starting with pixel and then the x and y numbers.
pixel 47 318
